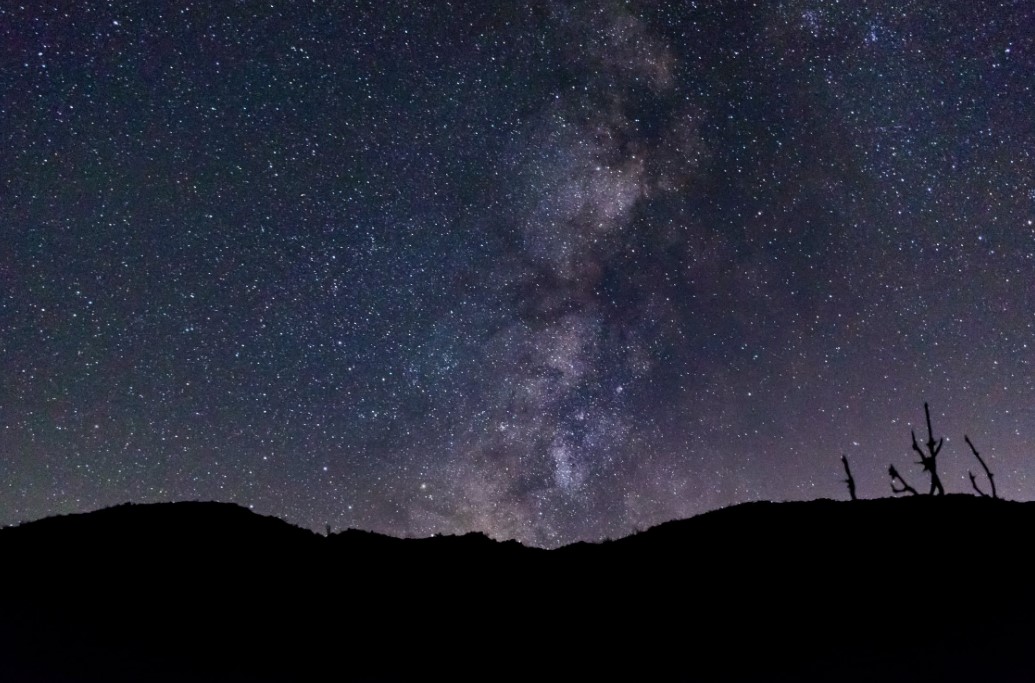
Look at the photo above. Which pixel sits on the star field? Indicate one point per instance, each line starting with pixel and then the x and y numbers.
pixel 553 271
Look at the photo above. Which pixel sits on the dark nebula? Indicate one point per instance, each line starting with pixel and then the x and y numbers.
pixel 548 270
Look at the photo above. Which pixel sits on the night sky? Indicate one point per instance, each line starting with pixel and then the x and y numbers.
pixel 548 270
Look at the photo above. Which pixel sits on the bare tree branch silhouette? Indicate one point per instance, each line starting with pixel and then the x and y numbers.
pixel 988 473
pixel 850 481
pixel 928 459
pixel 906 488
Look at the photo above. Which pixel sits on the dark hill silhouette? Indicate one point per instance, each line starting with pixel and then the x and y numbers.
pixel 922 588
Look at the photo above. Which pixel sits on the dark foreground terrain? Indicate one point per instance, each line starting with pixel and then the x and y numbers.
pixel 880 590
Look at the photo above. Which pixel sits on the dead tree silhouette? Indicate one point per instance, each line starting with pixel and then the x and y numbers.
pixel 928 460
pixel 906 488
pixel 850 481
pixel 988 473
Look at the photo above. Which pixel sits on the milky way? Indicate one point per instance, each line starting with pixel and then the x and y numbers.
pixel 552 271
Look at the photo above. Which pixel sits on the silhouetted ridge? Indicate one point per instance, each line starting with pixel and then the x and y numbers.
pixel 864 590
pixel 196 518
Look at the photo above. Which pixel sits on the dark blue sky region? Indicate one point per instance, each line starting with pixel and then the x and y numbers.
pixel 548 270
